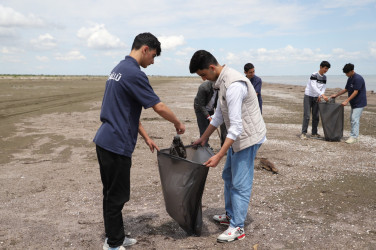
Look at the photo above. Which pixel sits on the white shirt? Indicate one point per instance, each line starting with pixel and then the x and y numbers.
pixel 315 88
pixel 210 105
pixel 235 95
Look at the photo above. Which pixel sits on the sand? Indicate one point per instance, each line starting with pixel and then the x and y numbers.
pixel 324 196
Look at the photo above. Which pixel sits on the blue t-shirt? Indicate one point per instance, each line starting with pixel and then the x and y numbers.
pixel 127 91
pixel 257 83
pixel 356 82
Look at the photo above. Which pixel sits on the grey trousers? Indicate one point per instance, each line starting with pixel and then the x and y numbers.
pixel 203 123
pixel 310 104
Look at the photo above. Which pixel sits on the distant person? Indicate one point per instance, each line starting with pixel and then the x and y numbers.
pixel 238 108
pixel 314 91
pixel 357 96
pixel 127 91
pixel 204 104
pixel 249 71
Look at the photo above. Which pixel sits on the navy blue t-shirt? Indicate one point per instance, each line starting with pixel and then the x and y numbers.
pixel 257 83
pixel 127 91
pixel 356 82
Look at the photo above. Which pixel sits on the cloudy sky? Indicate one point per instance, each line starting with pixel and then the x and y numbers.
pixel 89 37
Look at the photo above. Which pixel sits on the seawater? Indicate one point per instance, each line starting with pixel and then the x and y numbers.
pixel 333 81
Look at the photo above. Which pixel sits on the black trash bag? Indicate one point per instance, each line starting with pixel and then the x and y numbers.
pixel 183 182
pixel 332 120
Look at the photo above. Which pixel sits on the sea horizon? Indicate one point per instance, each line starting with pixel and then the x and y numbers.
pixel 333 81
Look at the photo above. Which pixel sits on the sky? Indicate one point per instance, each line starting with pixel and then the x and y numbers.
pixel 89 37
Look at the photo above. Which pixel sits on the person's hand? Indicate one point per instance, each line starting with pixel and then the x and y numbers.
pixel 213 161
pixel 180 128
pixel 151 145
pixel 199 142
pixel 325 98
pixel 333 96
pixel 344 103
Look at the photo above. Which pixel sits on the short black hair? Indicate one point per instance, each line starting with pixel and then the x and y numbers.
pixel 147 39
pixel 201 59
pixel 248 66
pixel 325 64
pixel 348 67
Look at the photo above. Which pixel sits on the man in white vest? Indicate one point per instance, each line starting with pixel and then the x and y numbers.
pixel 238 108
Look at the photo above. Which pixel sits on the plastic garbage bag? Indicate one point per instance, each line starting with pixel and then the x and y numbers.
pixel 183 182
pixel 332 120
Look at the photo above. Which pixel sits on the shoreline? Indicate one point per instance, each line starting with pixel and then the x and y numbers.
pixel 371 87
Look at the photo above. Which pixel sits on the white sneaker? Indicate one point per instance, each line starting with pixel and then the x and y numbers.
pixel 222 219
pixel 303 136
pixel 316 136
pixel 116 248
pixel 231 234
pixel 126 243
pixel 351 140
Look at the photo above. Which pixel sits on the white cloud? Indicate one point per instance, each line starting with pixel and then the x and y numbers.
pixel 42 58
pixel 185 51
pixel 288 53
pixel 44 42
pixel 372 49
pixel 11 18
pixel 70 56
pixel 11 50
pixel 98 37
pixel 171 42
pixel 373 52
pixel 6 32
pixel 243 18
pixel 333 4
pixel 11 59
pixel 338 51
pixel 231 57
pixel 114 53
pixel 344 54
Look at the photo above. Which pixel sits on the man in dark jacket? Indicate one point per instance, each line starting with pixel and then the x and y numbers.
pixel 204 104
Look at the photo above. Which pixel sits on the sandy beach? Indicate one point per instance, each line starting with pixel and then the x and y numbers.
pixel 324 196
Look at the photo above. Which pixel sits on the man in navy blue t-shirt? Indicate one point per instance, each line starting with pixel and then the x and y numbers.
pixel 357 96
pixel 127 91
pixel 249 71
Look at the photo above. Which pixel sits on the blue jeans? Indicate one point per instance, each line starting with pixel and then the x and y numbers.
pixel 354 119
pixel 238 177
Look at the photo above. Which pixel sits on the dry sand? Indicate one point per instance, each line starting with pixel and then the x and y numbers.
pixel 324 196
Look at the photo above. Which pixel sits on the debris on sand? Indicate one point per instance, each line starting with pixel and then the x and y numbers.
pixel 177 148
pixel 268 165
